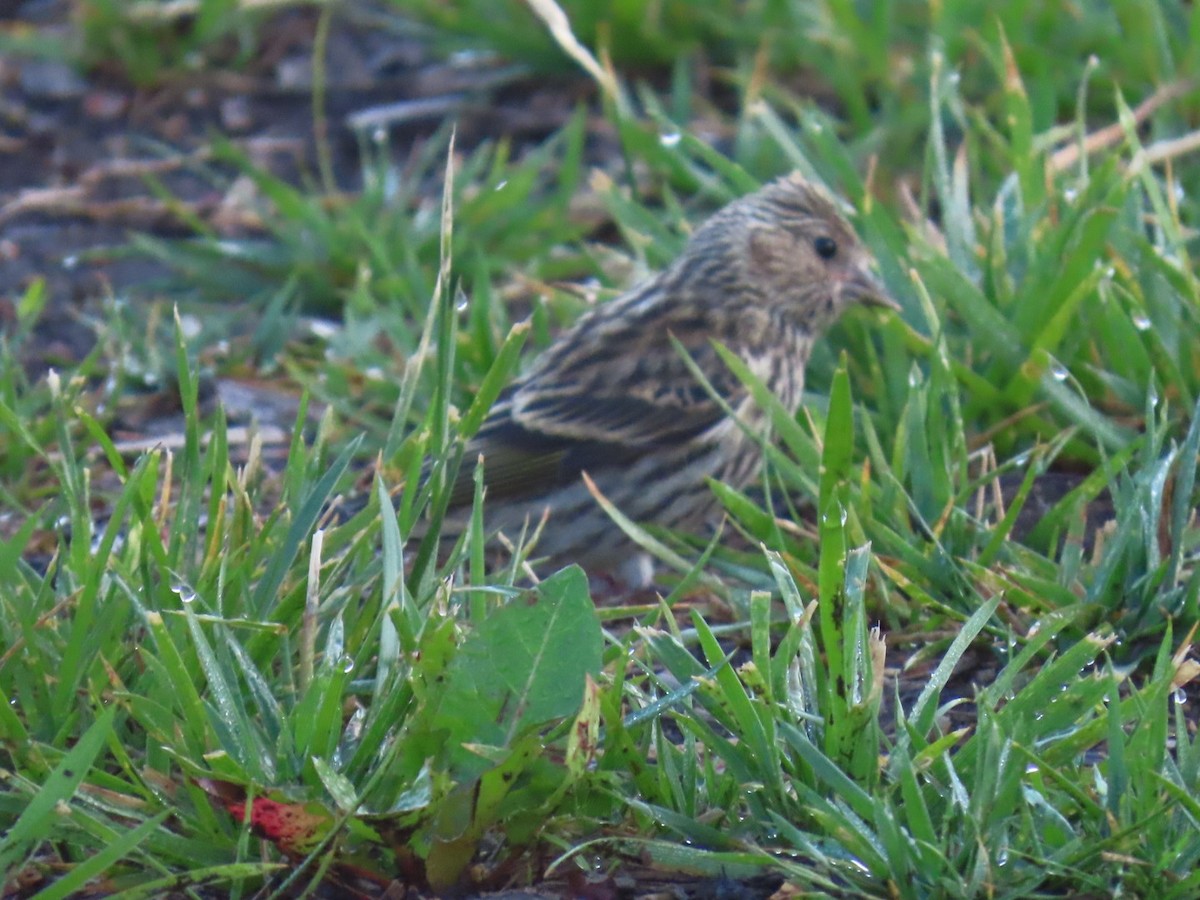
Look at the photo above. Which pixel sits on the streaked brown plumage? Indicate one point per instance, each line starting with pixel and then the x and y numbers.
pixel 612 396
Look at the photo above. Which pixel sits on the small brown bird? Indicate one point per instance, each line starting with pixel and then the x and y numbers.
pixel 613 397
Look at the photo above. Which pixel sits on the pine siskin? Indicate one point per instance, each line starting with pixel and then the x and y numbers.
pixel 613 397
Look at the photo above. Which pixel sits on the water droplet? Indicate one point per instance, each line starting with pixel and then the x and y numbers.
pixel 190 326
pixel 502 185
pixel 347 664
pixel 70 261
pixel 184 592
pixel 670 139
pixel 1180 696
pixel 1069 194
pixel 461 301
pixel 837 516
pixel 323 329
pixel 1058 372
pixel 1141 321
pixel 379 136
pixel 467 58
pixel 954 77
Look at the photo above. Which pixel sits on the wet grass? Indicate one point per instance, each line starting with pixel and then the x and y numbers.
pixel 198 628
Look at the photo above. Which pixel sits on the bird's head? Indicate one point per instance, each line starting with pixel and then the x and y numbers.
pixel 798 252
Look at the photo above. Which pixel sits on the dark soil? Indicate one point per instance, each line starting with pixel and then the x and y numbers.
pixel 79 152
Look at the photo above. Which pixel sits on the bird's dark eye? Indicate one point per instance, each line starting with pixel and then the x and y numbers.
pixel 826 247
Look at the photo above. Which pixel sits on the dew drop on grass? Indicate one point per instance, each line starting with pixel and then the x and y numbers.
pixel 1059 372
pixel 1141 321
pixel 859 865
pixel 379 136
pixel 461 301
pixel 323 329
pixel 183 592
pixel 347 663
pixel 190 326
pixel 1180 696
pixel 1069 194
pixel 467 58
pixel 670 139
pixel 837 516
pixel 501 186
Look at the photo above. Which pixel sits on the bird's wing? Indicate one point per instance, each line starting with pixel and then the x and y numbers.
pixel 545 431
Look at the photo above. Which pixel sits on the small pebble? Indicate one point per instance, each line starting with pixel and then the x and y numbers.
pixel 295 72
pixel 235 114
pixel 51 79
pixel 105 106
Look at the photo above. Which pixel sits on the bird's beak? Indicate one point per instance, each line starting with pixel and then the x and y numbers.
pixel 864 285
